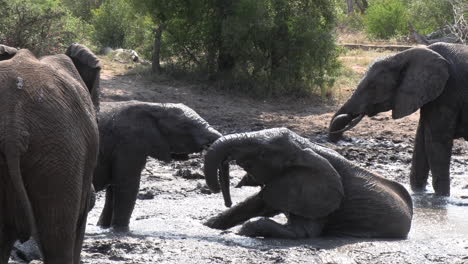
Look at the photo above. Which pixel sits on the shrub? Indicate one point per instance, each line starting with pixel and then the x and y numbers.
pixel 118 26
pixel 42 26
pixel 428 16
pixel 386 18
pixel 271 48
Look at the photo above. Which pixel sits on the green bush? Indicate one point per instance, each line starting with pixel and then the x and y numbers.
pixel 428 16
pixel 111 23
pixel 272 48
pixel 386 18
pixel 118 26
pixel 42 26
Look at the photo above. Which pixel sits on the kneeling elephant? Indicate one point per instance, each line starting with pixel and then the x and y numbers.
pixel 319 191
pixel 129 133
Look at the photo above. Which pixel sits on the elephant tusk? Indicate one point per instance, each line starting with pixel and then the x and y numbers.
pixel 351 124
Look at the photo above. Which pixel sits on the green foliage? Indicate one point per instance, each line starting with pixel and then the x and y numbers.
pixel 276 47
pixel 429 15
pixel 42 26
pixel 110 22
pixel 117 25
pixel 386 18
pixel 82 8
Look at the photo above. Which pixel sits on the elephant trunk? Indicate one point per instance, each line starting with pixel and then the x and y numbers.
pixel 342 121
pixel 216 167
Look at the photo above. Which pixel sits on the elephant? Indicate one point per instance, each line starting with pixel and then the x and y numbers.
pixel 130 132
pixel 48 149
pixel 320 192
pixel 433 79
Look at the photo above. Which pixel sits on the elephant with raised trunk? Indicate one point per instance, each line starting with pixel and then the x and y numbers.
pixel 319 191
pixel 433 79
pixel 129 133
pixel 48 149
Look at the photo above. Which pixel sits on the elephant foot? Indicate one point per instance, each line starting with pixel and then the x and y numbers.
pixel 120 229
pixel 218 222
pixel 418 188
pixel 441 188
pixel 265 227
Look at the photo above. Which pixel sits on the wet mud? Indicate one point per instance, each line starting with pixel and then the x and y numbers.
pixel 168 227
pixel 174 201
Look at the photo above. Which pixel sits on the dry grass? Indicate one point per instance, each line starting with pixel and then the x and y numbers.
pixel 354 66
pixel 355 63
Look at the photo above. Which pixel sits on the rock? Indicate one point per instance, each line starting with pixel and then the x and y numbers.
pixel 188 174
pixel 27 251
pixel 106 50
pixel 146 195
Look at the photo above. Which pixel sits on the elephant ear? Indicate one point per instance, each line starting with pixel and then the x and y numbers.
pixel 7 52
pixel 424 75
pixel 311 187
pixel 89 68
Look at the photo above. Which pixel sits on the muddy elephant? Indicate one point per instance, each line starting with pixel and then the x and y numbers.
pixel 319 191
pixel 129 133
pixel 433 79
pixel 48 149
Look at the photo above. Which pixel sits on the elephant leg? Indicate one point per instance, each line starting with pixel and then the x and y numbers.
pixel 107 211
pixel 438 136
pixel 439 155
pixel 419 165
pixel 57 236
pixel 6 245
pixel 125 184
pixel 252 207
pixel 297 227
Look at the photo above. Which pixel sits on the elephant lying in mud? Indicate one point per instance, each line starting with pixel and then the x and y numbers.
pixel 48 149
pixel 434 79
pixel 319 191
pixel 129 133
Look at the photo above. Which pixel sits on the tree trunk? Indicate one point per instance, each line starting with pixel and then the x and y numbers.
pixel 362 5
pixel 226 61
pixel 350 4
pixel 156 67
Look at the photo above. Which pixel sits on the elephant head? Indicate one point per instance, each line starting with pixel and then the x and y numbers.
pixel 184 130
pixel 293 176
pixel 403 83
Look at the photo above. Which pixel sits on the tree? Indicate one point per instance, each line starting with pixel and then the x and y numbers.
pixel 361 5
pixel 162 13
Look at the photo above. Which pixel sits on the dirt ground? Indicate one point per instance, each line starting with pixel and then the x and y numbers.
pixel 167 223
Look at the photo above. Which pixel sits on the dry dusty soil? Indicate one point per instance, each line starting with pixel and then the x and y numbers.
pixel 167 224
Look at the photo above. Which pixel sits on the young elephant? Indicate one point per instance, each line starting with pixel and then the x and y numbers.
pixel 129 133
pixel 320 191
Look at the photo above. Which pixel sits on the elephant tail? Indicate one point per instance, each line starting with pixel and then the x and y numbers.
pixel 24 220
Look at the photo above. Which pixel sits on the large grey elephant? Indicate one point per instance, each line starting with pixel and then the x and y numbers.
pixel 48 149
pixel 129 133
pixel 433 79
pixel 319 191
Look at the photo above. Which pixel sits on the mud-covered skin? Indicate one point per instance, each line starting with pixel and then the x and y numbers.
pixel 320 191
pixel 432 79
pixel 129 133
pixel 169 229
pixel 48 150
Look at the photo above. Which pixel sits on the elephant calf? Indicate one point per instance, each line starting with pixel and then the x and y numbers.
pixel 129 133
pixel 321 192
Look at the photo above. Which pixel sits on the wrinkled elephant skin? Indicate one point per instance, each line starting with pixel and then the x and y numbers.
pixel 319 191
pixel 129 133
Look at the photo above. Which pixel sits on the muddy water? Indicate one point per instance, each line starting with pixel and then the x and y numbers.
pixel 167 224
